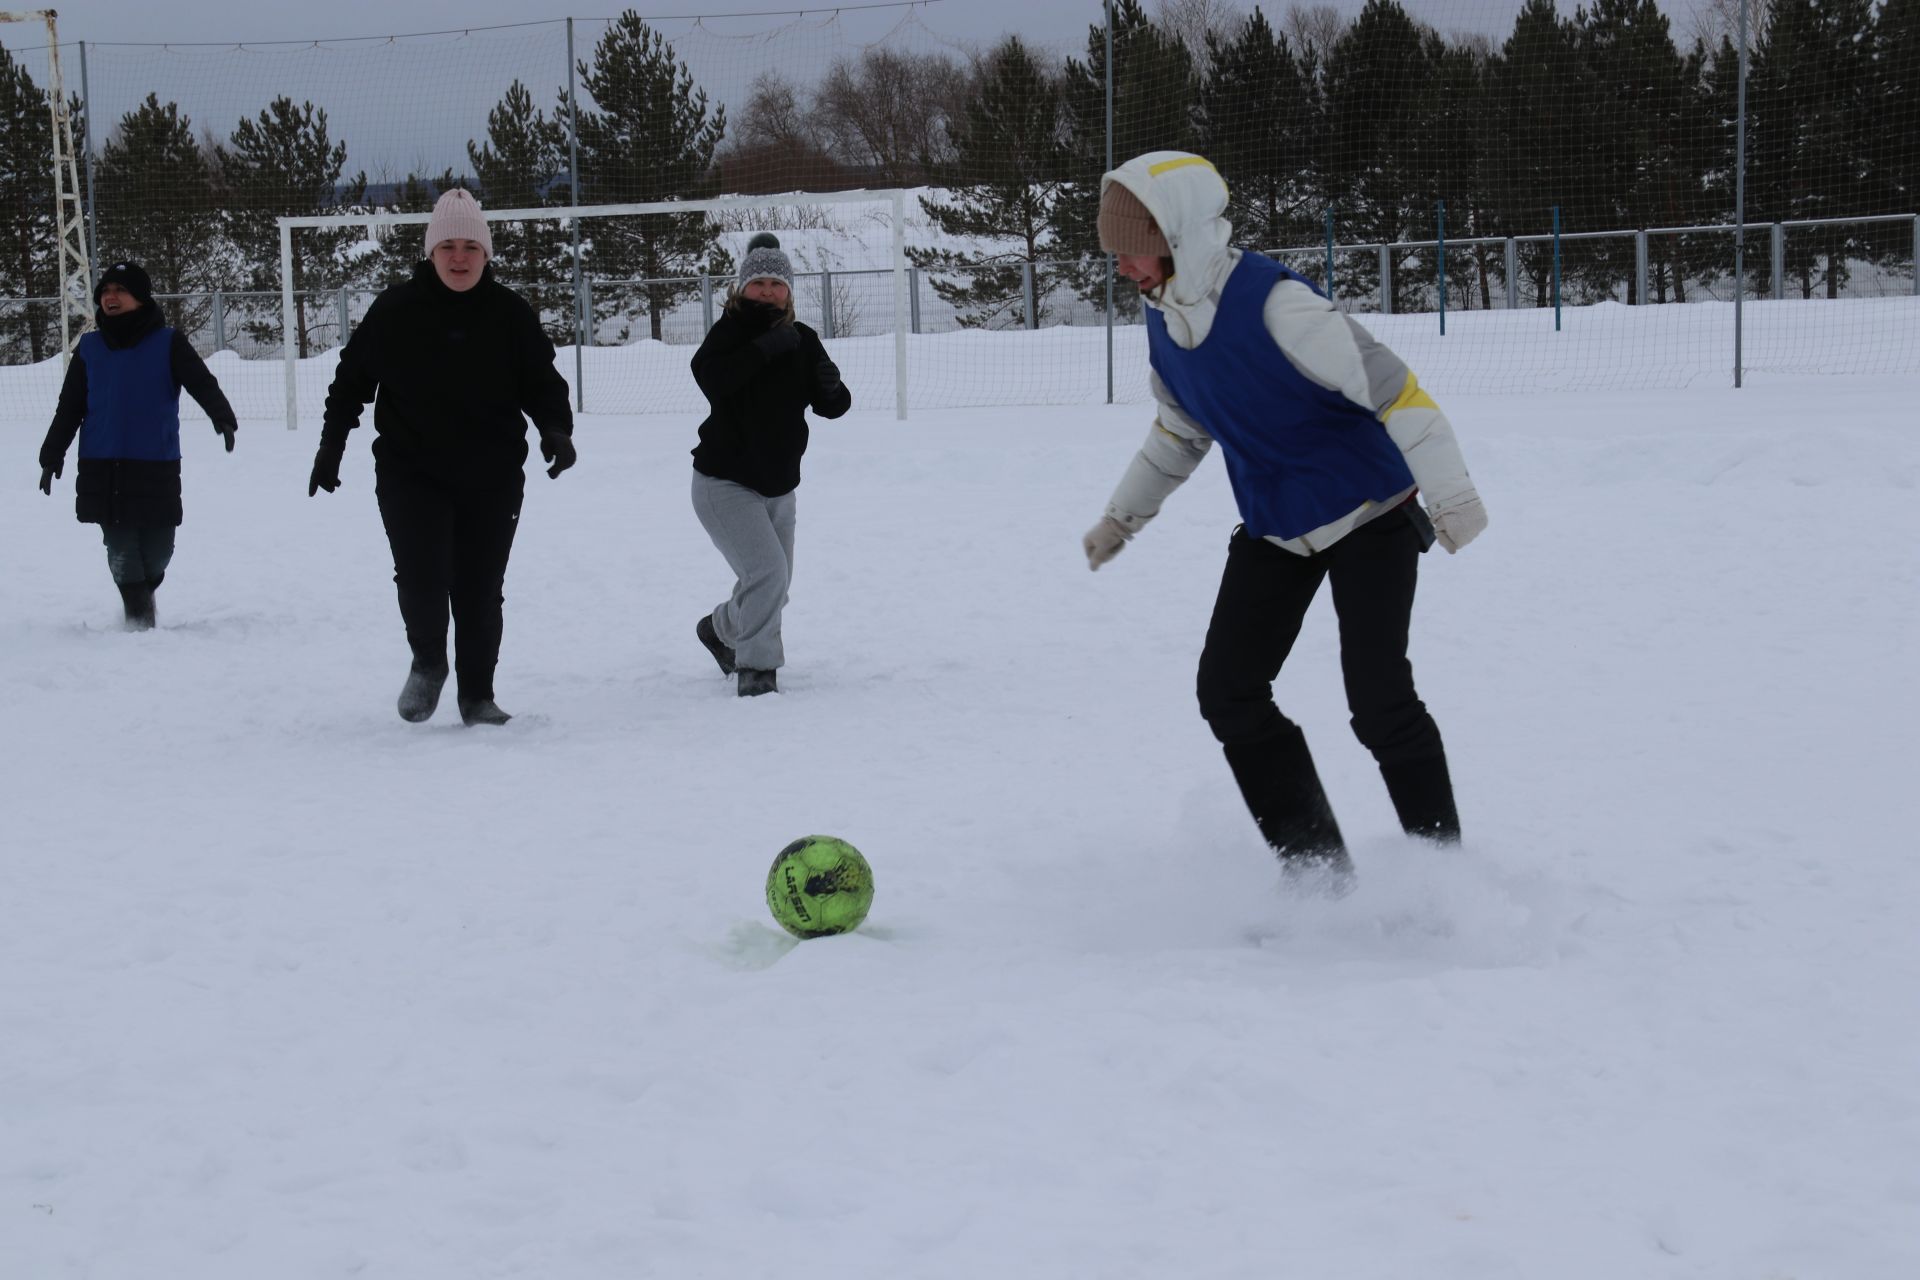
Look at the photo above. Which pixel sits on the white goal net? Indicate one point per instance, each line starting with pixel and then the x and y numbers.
pixel 623 341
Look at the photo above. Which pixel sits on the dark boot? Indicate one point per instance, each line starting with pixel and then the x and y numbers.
pixel 1283 793
pixel 481 711
pixel 137 597
pixel 708 637
pixel 421 693
pixel 1422 793
pixel 754 682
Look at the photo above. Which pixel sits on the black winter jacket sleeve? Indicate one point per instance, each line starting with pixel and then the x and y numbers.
pixel 68 414
pixel 193 377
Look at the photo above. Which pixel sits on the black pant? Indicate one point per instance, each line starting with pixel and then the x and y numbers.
pixel 450 543
pixel 1263 598
pixel 138 554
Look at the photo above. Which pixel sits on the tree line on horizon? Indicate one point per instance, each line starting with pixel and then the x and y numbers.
pixel 1376 120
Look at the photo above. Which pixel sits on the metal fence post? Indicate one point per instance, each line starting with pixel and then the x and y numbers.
pixel 1329 251
pixel 1386 282
pixel 1556 268
pixel 826 303
pixel 1513 274
pixel 1916 255
pixel 343 315
pixel 586 310
pixel 1026 293
pixel 913 290
pixel 706 299
pixel 1640 268
pixel 1440 255
pixel 1779 261
pixel 219 320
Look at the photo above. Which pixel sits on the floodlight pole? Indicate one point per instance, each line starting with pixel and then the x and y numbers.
pixel 69 212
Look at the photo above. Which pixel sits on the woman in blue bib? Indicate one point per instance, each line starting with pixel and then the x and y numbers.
pixel 1343 470
pixel 121 396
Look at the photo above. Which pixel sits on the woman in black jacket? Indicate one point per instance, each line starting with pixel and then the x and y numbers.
pixel 122 398
pixel 458 362
pixel 760 369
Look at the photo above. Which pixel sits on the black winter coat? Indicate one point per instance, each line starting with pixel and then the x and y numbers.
pixel 131 491
pixel 757 428
pixel 452 373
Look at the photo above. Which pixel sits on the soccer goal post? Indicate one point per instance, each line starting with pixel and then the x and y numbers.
pixel 841 265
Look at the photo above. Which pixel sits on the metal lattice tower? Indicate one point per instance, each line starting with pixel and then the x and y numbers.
pixel 75 286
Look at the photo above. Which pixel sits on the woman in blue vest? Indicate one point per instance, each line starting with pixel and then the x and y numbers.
pixel 122 397
pixel 1343 469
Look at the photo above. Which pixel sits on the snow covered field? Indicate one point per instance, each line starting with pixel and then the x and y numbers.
pixel 292 990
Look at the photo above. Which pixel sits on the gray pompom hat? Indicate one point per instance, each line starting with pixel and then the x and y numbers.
pixel 764 260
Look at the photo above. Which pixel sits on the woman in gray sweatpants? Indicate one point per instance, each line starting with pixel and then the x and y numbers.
pixel 760 369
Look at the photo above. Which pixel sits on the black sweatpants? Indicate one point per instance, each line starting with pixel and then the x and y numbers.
pixel 450 545
pixel 1263 599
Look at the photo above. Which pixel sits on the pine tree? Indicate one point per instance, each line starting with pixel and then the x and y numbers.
pixel 156 205
pixel 1010 151
pixel 1377 84
pixel 1896 158
pixel 1810 114
pixel 29 265
pixel 283 164
pixel 1643 164
pixel 651 139
pixel 516 167
pixel 1537 96
pixel 1451 150
pixel 1257 126
pixel 1154 95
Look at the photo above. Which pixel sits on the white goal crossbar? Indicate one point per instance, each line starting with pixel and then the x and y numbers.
pixel 893 197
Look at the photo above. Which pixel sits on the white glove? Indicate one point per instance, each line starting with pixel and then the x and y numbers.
pixel 1104 541
pixel 1459 522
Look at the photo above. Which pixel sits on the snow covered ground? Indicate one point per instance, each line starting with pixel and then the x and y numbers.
pixel 290 989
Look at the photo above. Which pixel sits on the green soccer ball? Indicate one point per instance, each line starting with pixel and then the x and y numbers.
pixel 819 886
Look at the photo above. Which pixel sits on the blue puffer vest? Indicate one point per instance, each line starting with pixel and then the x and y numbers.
pixel 133 403
pixel 1299 455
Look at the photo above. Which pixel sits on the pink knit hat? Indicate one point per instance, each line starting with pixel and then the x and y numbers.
pixel 457 216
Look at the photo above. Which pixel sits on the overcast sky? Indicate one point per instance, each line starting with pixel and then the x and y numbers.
pixel 1053 22
pixel 412 105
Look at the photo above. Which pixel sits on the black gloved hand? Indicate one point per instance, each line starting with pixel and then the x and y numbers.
pixel 557 447
pixel 779 340
pixel 48 474
pixel 226 429
pixel 826 376
pixel 326 471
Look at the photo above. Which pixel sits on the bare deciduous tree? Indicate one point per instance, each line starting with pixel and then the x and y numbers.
pixel 774 116
pixel 1192 21
pixel 891 111
pixel 1314 29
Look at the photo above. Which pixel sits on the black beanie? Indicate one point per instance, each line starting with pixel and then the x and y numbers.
pixel 130 276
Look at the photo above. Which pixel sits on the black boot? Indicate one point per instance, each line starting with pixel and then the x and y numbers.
pixel 137 597
pixel 754 682
pixel 708 637
pixel 480 711
pixel 1422 793
pixel 421 693
pixel 1284 794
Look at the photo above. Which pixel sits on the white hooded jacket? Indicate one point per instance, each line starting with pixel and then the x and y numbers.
pixel 1188 200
